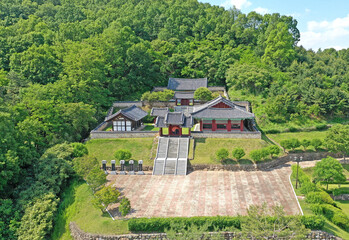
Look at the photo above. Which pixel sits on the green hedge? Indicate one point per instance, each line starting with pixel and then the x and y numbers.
pixel 339 191
pixel 313 222
pixel 161 224
pixel 319 197
pixel 332 213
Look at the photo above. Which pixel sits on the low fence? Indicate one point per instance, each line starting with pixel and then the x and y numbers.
pixel 78 234
pixel 120 104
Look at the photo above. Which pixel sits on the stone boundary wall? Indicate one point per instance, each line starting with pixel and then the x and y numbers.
pixel 254 135
pixel 120 104
pixel 131 134
pixel 78 234
pixel 343 197
pixel 262 166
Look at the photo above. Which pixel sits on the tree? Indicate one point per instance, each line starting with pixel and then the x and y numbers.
pixel 95 178
pixel 105 196
pixel 222 154
pixel 290 143
pixel 125 206
pixel 123 154
pixel 316 143
pixel 337 139
pixel 238 153
pixel 265 222
pixel 203 94
pixel 273 150
pixel 329 170
pixel 305 143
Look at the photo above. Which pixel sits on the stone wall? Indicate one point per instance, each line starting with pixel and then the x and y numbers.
pixel 132 134
pixel 343 197
pixel 78 234
pixel 122 104
pixel 254 135
pixel 262 166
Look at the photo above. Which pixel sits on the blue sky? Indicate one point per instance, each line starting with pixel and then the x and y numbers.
pixel 322 23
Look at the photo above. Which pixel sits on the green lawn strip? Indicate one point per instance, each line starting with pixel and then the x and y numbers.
pixel 150 127
pixel 104 149
pixel 77 207
pixel 278 137
pixel 329 226
pixel 205 149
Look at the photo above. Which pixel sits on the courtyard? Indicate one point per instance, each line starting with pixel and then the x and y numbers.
pixel 206 193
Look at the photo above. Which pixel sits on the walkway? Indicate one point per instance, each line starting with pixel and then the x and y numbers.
pixel 204 193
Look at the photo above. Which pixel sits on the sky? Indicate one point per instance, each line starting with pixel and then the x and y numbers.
pixel 322 23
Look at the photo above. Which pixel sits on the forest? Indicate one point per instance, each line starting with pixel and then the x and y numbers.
pixel 63 62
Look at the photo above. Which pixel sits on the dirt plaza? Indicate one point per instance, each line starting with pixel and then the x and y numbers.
pixel 206 193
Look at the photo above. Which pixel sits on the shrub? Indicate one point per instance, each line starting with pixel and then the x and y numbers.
pixel 321 126
pixel 161 224
pixel 272 131
pixel 125 206
pixel 319 197
pixel 238 153
pixel 305 143
pixel 293 129
pixel 307 187
pixel 313 222
pixel 341 220
pixel 332 213
pixel 79 149
pixel 203 93
pixel 340 191
pixel 256 155
pixel 273 150
pixel 122 154
pixel 316 143
pixel 222 154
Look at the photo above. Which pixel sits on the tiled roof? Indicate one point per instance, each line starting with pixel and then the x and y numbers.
pixel 184 95
pixel 134 113
pixel 208 110
pixel 158 112
pixel 174 118
pixel 186 84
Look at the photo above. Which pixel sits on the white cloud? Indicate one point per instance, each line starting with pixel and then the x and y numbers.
pixel 326 34
pixel 261 10
pixel 239 4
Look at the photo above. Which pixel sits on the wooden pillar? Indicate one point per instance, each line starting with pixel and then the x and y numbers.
pixel 201 125
pixel 214 125
pixel 180 131
pixel 229 125
pixel 189 131
pixel 242 125
pixel 160 132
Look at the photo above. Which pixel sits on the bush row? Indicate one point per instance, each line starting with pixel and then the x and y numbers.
pixel 217 223
pixel 161 224
pixel 340 191
pixel 332 213
pixel 294 129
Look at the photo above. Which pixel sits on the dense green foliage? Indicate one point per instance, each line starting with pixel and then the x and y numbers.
pixel 203 93
pixel 329 170
pixel 62 63
pixel 238 153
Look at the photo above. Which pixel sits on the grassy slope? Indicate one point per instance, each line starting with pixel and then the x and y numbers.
pixel 76 206
pixel 104 149
pixel 205 149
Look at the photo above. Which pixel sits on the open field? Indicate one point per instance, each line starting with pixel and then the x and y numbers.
pixel 104 149
pixel 205 149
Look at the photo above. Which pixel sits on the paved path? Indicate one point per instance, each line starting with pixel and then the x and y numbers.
pixel 206 193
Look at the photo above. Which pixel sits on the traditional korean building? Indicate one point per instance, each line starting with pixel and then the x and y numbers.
pixel 218 115
pixel 127 119
pixel 184 89
pixel 223 115
pixel 172 123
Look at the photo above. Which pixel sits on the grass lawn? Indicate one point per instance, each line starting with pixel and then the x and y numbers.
pixel 205 149
pixel 104 149
pixel 278 137
pixel 150 127
pixel 77 207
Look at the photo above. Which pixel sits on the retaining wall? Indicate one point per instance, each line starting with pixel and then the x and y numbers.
pixel 121 104
pixel 132 134
pixel 78 234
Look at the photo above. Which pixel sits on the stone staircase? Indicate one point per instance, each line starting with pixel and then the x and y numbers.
pixel 172 156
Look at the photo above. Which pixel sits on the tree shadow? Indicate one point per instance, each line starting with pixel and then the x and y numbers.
pixel 245 161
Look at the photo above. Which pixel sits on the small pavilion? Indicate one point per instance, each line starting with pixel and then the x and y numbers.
pixel 127 119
